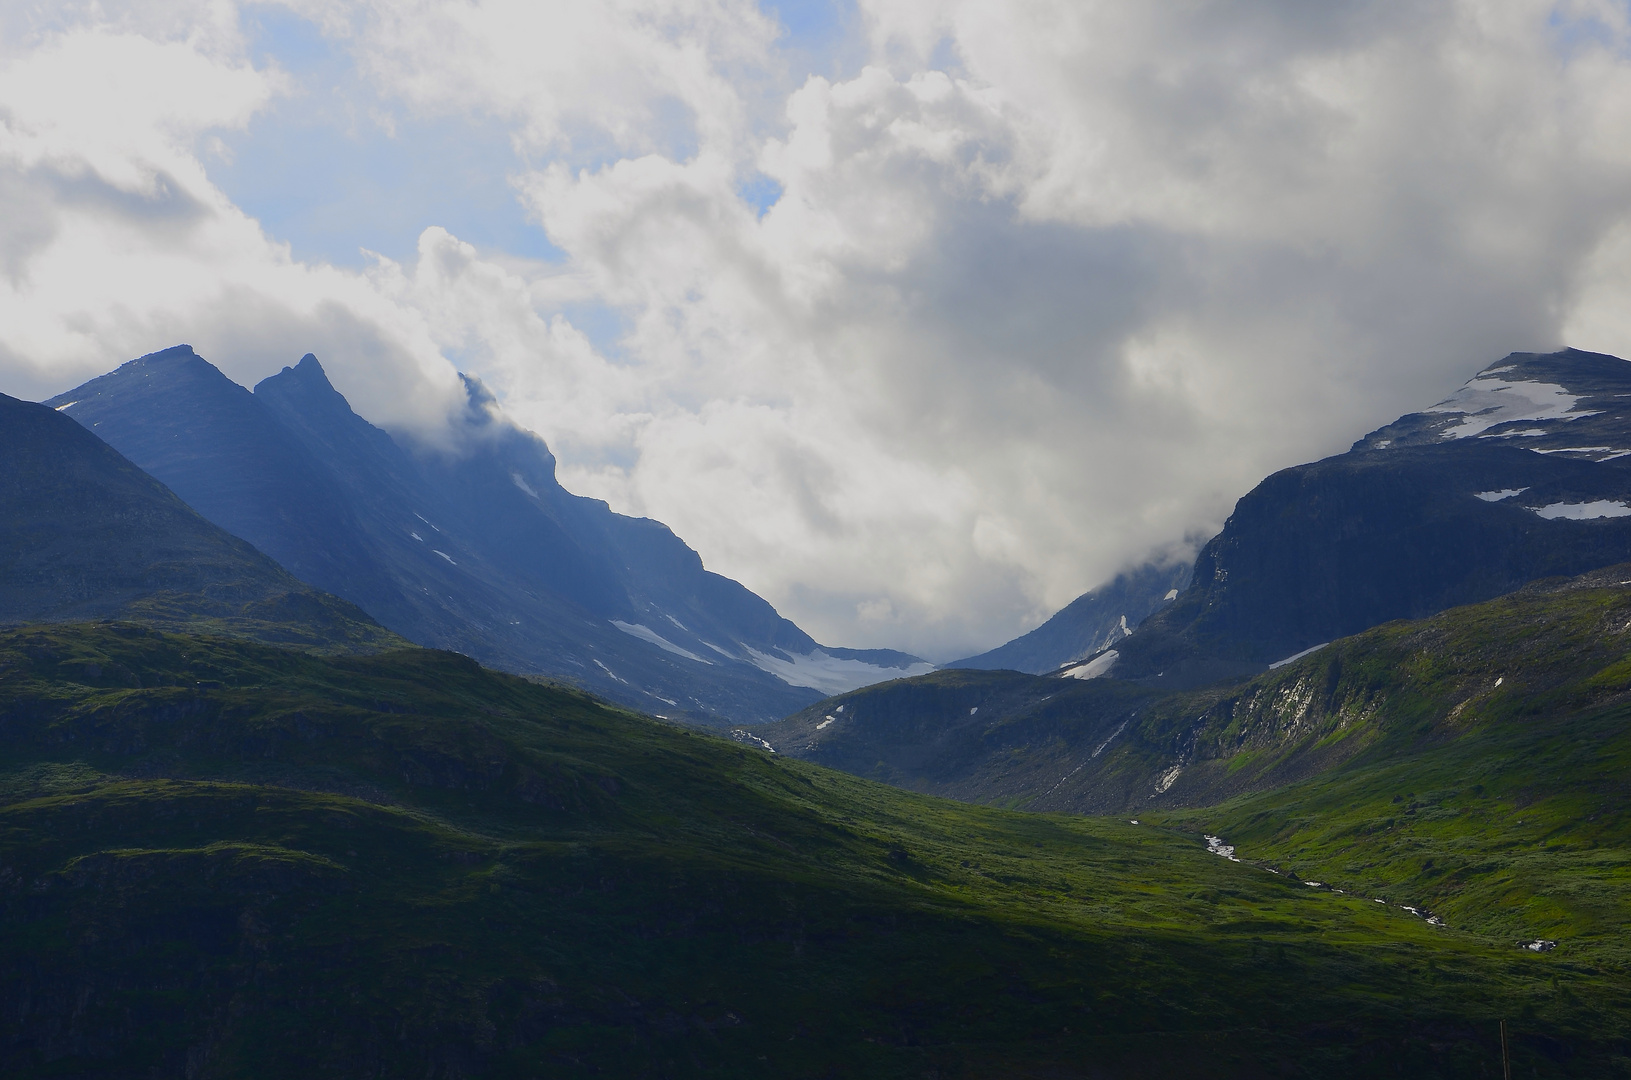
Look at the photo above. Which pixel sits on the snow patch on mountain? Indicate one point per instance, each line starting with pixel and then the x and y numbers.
pixel 1099 665
pixel 647 634
pixel 829 674
pixel 1602 508
pixel 1497 496
pixel 1597 453
pixel 1489 402
pixel 1298 656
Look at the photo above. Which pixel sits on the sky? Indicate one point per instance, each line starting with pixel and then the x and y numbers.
pixel 917 318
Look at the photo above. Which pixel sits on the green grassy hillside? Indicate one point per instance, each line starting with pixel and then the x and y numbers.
pixel 225 859
pixel 1477 764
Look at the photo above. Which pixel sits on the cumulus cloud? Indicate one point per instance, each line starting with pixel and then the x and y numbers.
pixel 116 243
pixel 1041 288
pixel 607 76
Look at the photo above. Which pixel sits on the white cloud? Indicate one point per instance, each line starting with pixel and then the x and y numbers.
pixel 1047 286
pixel 606 75
pixel 116 243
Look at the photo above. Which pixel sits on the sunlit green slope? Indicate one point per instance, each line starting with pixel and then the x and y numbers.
pixel 1477 764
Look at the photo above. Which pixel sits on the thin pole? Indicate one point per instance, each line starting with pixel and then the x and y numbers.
pixel 1506 1057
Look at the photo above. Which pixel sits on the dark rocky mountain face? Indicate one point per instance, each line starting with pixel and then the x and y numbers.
pixel 1089 624
pixel 1524 473
pixel 980 736
pixel 86 534
pixel 482 552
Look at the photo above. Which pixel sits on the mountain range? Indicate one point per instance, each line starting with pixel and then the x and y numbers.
pixel 250 831
pixel 1466 500
pixel 478 550
pixel 1523 474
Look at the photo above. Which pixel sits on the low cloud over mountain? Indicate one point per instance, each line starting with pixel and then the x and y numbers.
pixel 918 321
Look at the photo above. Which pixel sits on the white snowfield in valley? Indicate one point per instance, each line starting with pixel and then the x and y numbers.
pixel 645 633
pixel 817 670
pixel 1602 508
pixel 1489 402
pixel 1099 665
pixel 829 674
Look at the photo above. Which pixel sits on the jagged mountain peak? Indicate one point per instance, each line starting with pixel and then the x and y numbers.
pixel 175 354
pixel 303 395
pixel 1570 402
pixel 306 381
pixel 176 362
pixel 309 371
pixel 479 550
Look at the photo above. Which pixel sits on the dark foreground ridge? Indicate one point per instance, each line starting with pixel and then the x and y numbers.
pixel 225 859
pixel 85 534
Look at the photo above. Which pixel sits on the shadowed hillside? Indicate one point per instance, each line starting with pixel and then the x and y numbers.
pixel 223 859
pixel 84 533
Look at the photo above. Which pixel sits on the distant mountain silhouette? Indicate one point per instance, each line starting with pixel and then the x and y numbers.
pixel 1089 624
pixel 479 551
